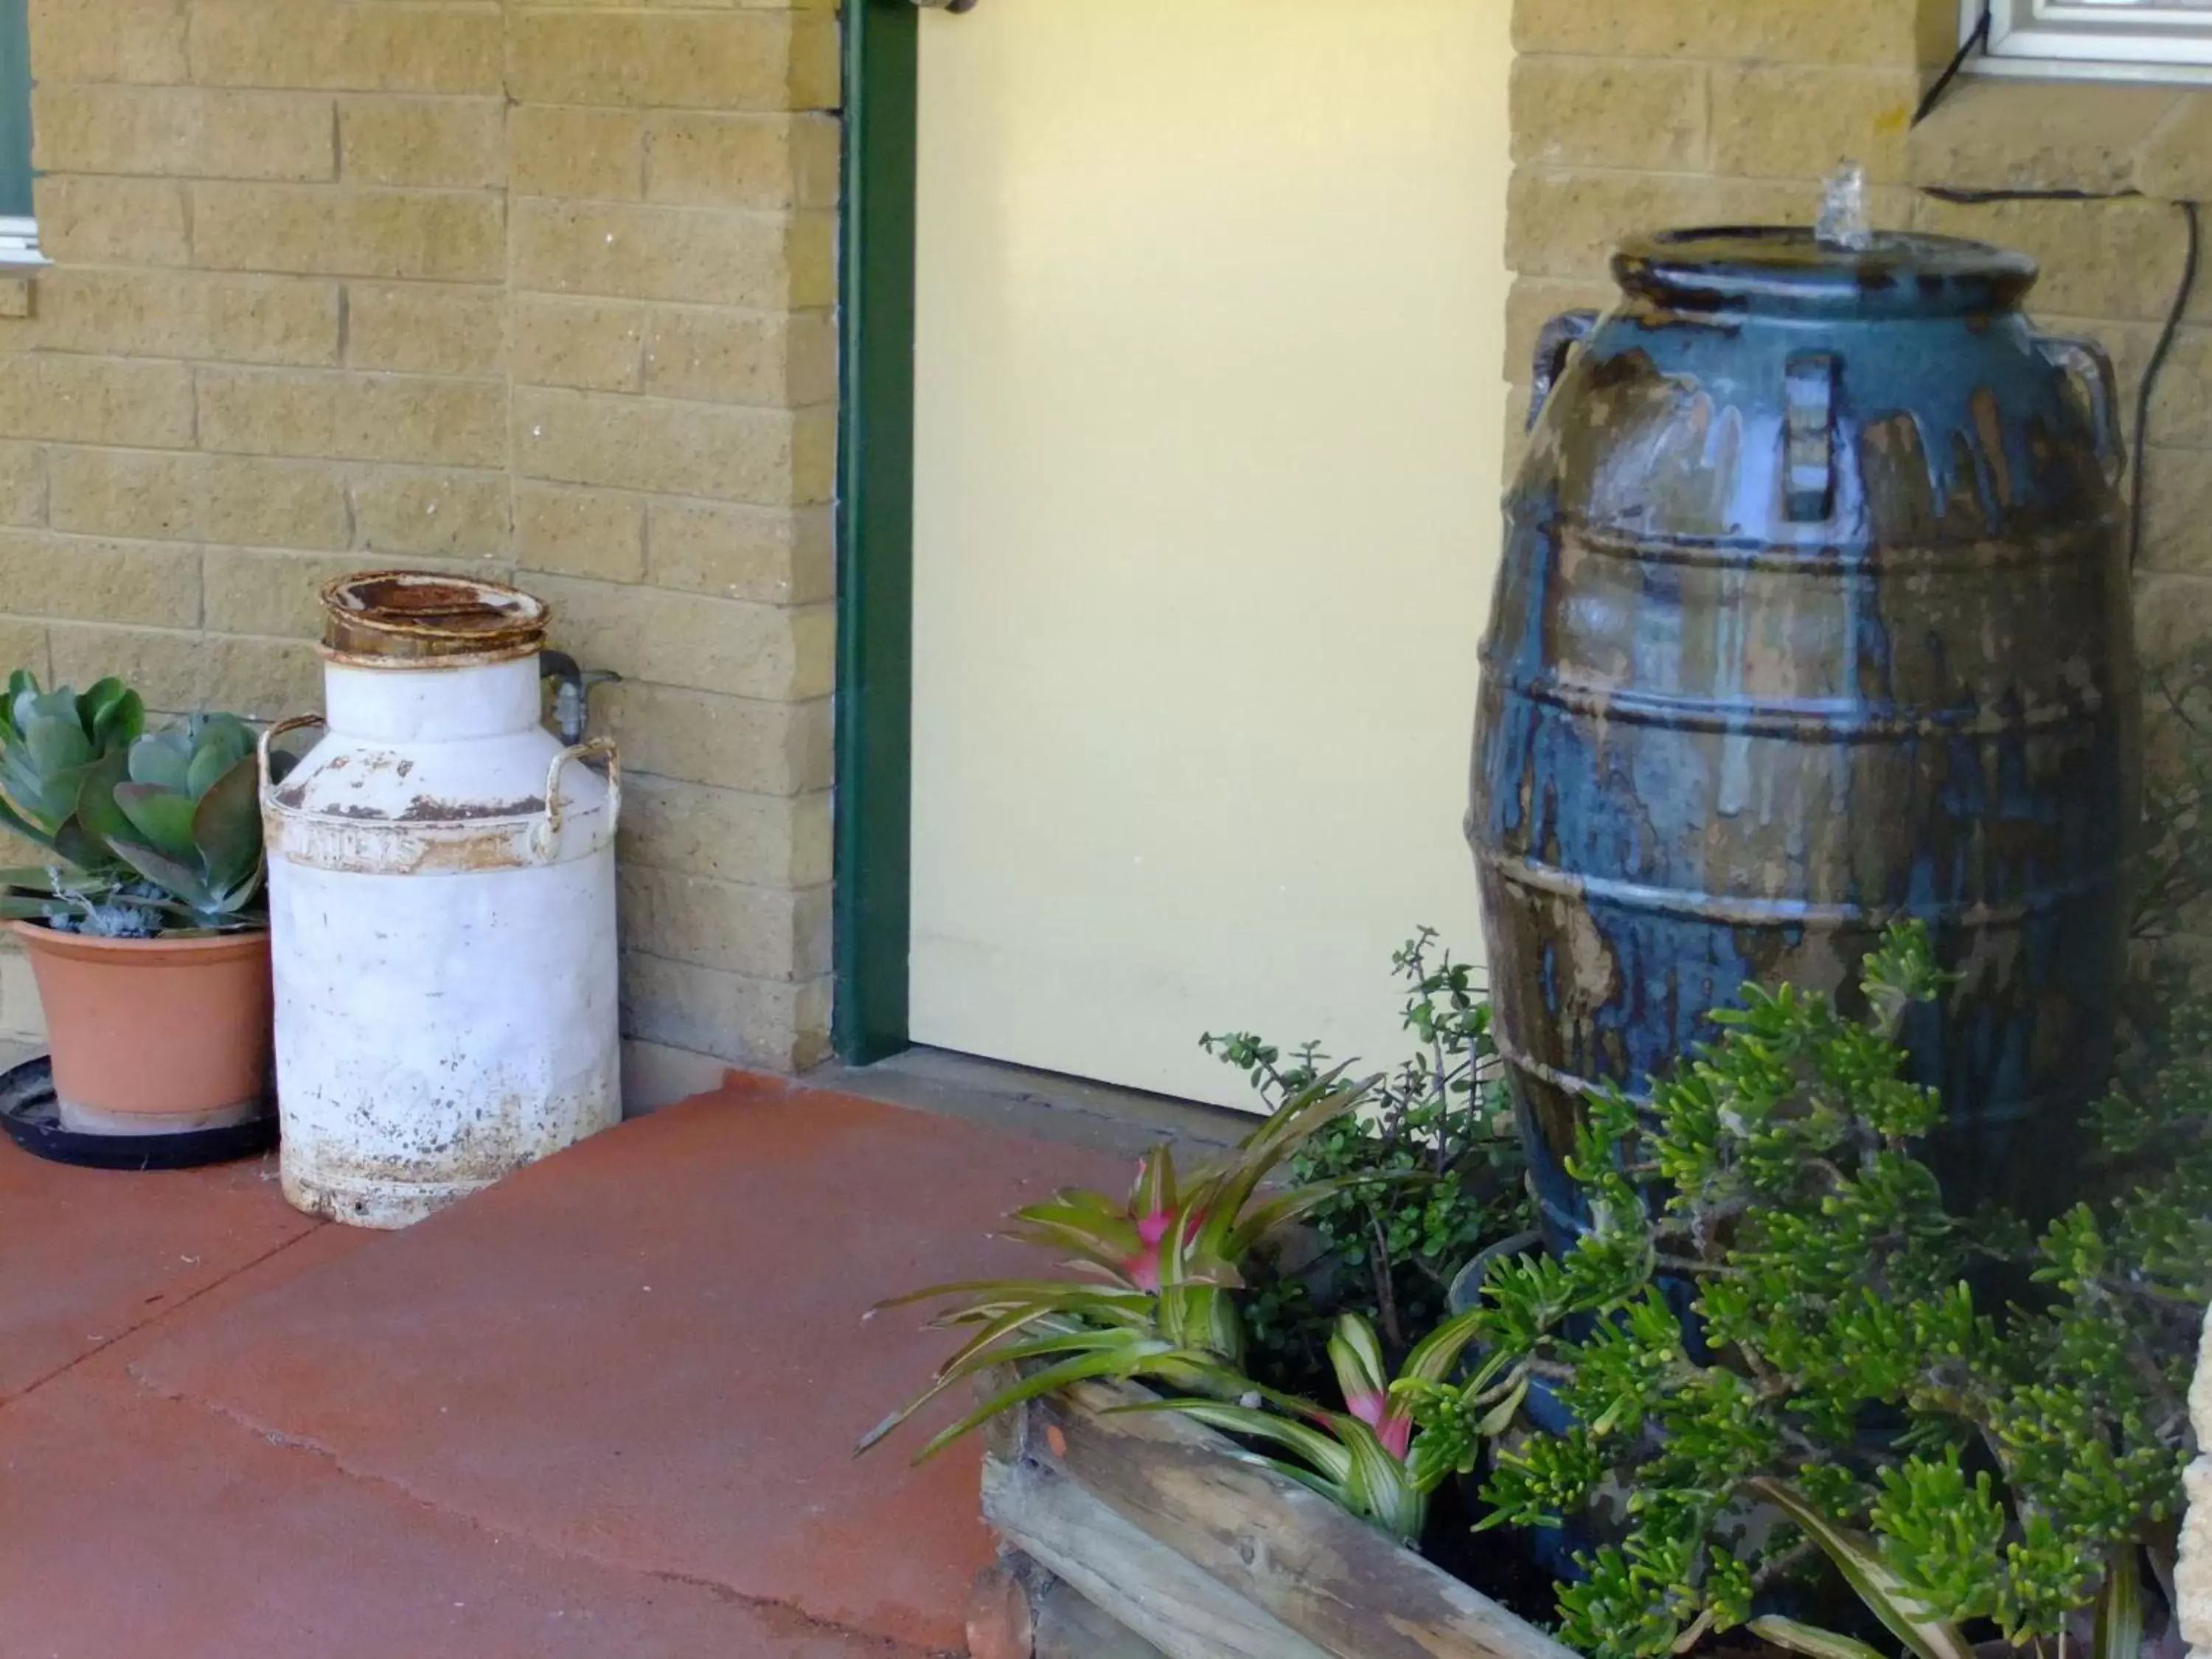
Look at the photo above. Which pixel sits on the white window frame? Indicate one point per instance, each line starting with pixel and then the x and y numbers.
pixel 2094 39
pixel 18 242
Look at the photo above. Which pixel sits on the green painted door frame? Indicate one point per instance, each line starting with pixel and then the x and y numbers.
pixel 875 532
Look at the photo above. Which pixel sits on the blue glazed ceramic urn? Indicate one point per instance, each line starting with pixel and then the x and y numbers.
pixel 1814 615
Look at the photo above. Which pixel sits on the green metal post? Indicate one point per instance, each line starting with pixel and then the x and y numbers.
pixel 875 674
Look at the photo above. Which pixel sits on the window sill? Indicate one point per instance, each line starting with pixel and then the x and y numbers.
pixel 2098 139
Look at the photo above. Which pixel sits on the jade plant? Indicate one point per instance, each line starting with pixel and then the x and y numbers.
pixel 1840 1393
pixel 1161 1270
pixel 154 833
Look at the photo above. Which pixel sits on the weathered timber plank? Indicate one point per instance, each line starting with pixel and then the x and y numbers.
pixel 1344 1588
pixel 1140 1583
pixel 1070 1626
pixel 1002 1608
pixel 1017 1610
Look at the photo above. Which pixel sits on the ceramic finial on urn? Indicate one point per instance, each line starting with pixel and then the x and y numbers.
pixel 1843 222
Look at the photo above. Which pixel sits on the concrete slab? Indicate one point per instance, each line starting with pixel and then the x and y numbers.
pixel 648 1353
pixel 1129 1122
pixel 144 1528
pixel 93 1254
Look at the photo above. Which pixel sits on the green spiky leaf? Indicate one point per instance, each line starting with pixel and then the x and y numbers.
pixel 1326 1457
pixel 1119 1362
pixel 1907 1616
pixel 1810 1640
pixel 2119 1612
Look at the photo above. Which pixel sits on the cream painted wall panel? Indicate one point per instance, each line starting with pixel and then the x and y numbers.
pixel 1211 307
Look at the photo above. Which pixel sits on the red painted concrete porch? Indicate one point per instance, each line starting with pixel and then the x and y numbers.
pixel 605 1409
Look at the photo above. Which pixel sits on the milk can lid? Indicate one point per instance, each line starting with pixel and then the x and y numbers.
pixel 423 616
pixel 1788 270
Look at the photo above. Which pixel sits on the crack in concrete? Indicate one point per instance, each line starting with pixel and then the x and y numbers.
pixel 803 1622
pixel 155 1319
pixel 783 1619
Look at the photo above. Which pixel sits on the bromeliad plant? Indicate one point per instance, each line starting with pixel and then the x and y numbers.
pixel 1848 1400
pixel 155 832
pixel 1160 1274
pixel 1358 1458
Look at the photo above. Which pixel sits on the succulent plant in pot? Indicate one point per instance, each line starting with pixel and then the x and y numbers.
pixel 182 812
pixel 147 929
pixel 48 741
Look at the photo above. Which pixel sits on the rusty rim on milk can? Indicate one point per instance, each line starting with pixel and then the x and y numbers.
pixel 420 615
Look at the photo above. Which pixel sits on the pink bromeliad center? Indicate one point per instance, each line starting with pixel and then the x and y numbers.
pixel 1144 1267
pixel 1394 1431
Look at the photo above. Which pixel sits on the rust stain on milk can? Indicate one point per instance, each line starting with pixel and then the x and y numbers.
pixel 442 894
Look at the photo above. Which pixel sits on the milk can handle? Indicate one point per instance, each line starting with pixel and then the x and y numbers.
pixel 2086 361
pixel 1554 345
pixel 269 736
pixel 546 838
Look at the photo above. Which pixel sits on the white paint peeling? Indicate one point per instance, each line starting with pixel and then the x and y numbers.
pixel 444 944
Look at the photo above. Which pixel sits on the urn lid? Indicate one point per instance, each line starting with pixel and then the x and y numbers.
pixel 422 616
pixel 1788 271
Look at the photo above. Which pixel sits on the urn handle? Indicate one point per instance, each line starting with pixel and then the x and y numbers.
pixel 1554 345
pixel 1809 436
pixel 2084 362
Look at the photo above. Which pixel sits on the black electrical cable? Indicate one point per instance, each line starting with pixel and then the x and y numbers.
pixel 1977 37
pixel 1983 198
pixel 2181 297
pixel 2183 293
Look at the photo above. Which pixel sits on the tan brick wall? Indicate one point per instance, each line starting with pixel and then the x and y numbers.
pixel 1633 114
pixel 543 290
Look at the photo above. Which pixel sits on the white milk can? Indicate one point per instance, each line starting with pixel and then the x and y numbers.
pixel 442 888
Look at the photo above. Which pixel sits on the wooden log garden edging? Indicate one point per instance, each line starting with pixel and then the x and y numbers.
pixel 1157 1523
pixel 1019 1610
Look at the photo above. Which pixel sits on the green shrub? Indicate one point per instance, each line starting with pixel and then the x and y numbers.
pixel 1434 1173
pixel 2031 1462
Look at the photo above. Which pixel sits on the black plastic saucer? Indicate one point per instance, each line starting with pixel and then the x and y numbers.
pixel 32 1120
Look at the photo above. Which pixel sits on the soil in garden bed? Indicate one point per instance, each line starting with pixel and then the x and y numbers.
pixel 1502 1564
pixel 1498 1563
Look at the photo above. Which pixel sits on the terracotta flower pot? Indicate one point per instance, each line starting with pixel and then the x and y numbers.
pixel 154 1036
